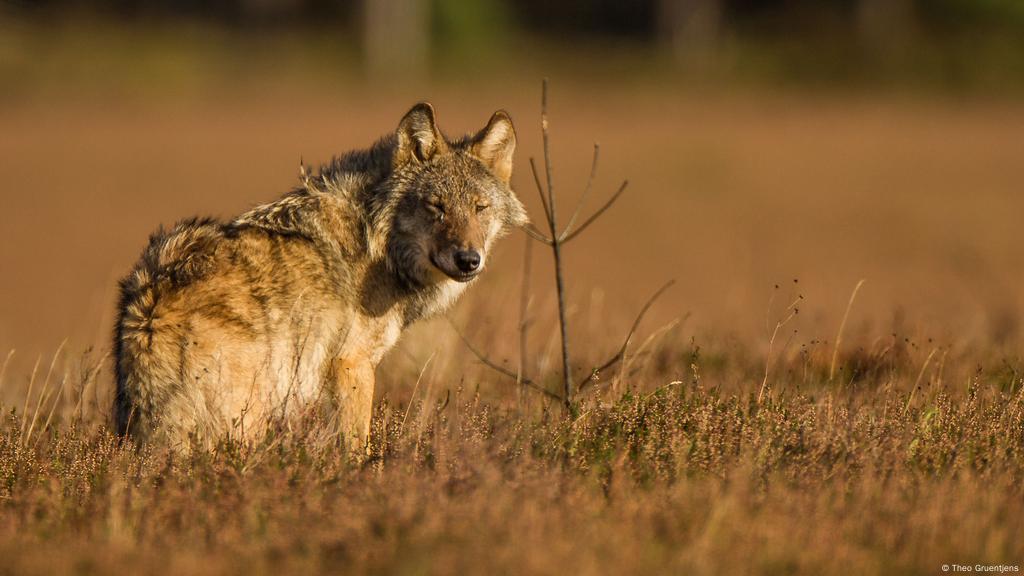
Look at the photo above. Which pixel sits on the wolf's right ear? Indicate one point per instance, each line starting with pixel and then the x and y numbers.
pixel 418 136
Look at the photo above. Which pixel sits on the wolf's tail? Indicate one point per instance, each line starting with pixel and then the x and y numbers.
pixel 171 260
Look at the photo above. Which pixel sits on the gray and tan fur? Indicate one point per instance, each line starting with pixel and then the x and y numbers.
pixel 222 326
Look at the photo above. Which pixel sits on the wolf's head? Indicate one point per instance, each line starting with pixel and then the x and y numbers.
pixel 449 200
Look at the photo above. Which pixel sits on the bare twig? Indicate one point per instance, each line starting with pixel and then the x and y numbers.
pixel 529 229
pixel 842 326
pixel 501 369
pixel 592 377
pixel 586 191
pixel 567 236
pixel 768 311
pixel 628 360
pixel 540 189
pixel 556 248
pixel 547 145
pixel 793 311
pixel 555 241
pixel 536 234
pixel 524 305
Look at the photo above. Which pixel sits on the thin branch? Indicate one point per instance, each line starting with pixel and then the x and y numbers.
pixel 629 336
pixel 567 236
pixel 547 151
pixel 537 235
pixel 627 361
pixel 540 190
pixel 586 192
pixel 793 311
pixel 524 305
pixel 556 250
pixel 501 369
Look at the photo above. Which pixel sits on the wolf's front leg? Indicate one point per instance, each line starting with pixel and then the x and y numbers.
pixel 355 381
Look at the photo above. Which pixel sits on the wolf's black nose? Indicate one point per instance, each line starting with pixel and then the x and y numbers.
pixel 467 260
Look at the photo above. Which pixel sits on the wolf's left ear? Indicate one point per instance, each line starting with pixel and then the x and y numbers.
pixel 418 136
pixel 495 144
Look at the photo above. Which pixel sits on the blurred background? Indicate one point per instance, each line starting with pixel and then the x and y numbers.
pixel 774 148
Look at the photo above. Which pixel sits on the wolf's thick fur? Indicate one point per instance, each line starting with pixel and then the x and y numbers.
pixel 223 326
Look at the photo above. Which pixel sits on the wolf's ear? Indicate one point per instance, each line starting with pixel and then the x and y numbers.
pixel 418 136
pixel 495 144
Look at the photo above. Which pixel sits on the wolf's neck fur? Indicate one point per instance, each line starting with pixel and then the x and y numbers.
pixel 345 211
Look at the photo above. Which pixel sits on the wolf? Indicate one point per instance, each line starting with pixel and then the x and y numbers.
pixel 222 326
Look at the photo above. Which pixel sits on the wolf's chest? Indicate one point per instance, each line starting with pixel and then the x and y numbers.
pixel 366 340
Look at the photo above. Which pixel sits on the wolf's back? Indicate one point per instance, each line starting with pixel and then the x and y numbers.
pixel 144 357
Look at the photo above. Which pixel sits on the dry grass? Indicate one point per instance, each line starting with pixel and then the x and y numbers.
pixel 895 467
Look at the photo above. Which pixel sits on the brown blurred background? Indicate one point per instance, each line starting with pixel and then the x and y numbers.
pixel 765 141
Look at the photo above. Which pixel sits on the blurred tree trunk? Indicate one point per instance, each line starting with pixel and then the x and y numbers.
pixel 262 9
pixel 396 37
pixel 690 28
pixel 884 25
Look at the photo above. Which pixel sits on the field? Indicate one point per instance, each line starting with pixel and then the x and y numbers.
pixel 765 421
